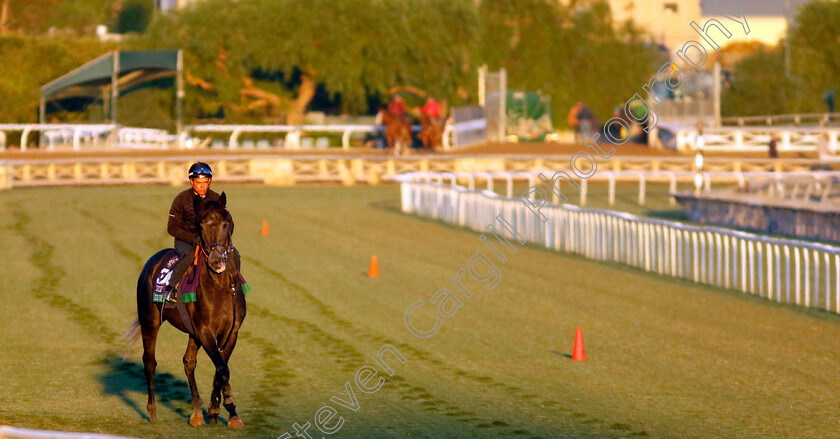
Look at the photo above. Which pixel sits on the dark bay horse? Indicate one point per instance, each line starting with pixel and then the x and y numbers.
pixel 216 314
pixel 431 131
pixel 397 130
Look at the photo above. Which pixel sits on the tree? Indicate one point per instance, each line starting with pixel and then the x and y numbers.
pixel 134 16
pixel 29 62
pixel 760 86
pixel 241 50
pixel 571 53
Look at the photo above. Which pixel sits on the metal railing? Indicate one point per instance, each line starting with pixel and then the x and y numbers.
pixel 757 139
pixel 821 119
pixel 49 171
pixel 784 270
pixel 292 133
pixel 84 136
pixel 743 180
pixel 9 432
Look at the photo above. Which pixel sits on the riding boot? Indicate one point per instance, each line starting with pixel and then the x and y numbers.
pixel 178 272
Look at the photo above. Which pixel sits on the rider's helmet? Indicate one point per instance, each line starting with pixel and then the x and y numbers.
pixel 200 170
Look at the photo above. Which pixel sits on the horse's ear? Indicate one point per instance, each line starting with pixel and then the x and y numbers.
pixel 223 200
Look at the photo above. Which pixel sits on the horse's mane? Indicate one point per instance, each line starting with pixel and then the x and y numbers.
pixel 205 207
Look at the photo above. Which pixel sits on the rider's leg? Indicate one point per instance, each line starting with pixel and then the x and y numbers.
pixel 185 251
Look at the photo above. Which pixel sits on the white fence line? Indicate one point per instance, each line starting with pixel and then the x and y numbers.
pixel 373 169
pixel 784 270
pixel 293 133
pixel 101 135
pixel 642 177
pixel 821 119
pixel 88 135
pixel 8 432
pixel 756 139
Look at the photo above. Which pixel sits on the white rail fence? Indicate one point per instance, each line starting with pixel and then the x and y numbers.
pixel 784 270
pixel 293 134
pixel 756 139
pixel 612 178
pixel 374 169
pixel 821 119
pixel 9 432
pixel 81 136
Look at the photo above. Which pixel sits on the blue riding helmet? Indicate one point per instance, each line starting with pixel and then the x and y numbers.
pixel 199 170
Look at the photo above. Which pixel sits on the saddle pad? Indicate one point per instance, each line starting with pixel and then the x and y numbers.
pixel 162 279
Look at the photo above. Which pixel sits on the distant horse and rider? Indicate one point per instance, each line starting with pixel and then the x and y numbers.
pixel 398 125
pixel 431 125
pixel 209 305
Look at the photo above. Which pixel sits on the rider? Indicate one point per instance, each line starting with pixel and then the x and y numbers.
pixel 431 108
pixel 397 106
pixel 182 223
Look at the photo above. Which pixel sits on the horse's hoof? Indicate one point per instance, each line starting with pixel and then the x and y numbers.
pixel 235 422
pixel 197 419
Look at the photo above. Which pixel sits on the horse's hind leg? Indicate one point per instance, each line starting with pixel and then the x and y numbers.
pixel 150 332
pixel 197 417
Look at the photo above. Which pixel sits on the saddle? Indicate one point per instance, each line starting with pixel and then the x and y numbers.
pixel 189 283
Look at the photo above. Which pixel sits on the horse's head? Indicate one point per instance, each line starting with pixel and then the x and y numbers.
pixel 211 219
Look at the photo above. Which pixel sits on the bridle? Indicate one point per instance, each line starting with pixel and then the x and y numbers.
pixel 226 248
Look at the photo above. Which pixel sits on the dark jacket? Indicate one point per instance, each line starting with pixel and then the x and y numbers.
pixel 182 216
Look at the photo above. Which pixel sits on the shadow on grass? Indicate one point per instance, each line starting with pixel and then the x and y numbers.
pixel 121 378
pixel 670 215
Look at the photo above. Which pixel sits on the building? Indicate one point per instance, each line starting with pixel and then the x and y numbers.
pixel 669 21
pixel 165 5
pixel 768 19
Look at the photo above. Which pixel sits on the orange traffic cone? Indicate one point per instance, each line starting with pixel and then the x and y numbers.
pixel 577 353
pixel 264 231
pixel 373 271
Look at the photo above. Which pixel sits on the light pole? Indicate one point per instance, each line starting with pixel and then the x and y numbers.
pixel 698 160
pixel 787 39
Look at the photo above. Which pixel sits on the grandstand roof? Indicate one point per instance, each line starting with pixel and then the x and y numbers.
pixel 112 74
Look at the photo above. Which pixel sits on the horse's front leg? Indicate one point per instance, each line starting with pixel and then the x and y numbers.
pixel 221 388
pixel 221 380
pixel 190 357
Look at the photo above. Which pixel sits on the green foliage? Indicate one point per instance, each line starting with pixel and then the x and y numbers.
pixel 28 63
pixel 134 16
pixel 353 51
pixel 760 86
pixel 38 16
pixel 358 54
pixel 569 55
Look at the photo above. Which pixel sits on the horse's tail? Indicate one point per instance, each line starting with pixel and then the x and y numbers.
pixel 132 336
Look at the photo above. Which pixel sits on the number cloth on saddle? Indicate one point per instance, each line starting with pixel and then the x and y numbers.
pixel 189 284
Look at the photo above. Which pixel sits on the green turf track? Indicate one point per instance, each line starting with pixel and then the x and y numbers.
pixel 666 358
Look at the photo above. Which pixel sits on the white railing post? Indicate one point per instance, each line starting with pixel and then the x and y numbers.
pixel 233 143
pixel 642 189
pixel 706 255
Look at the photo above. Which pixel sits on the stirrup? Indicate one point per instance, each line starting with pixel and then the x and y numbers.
pixel 171 295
